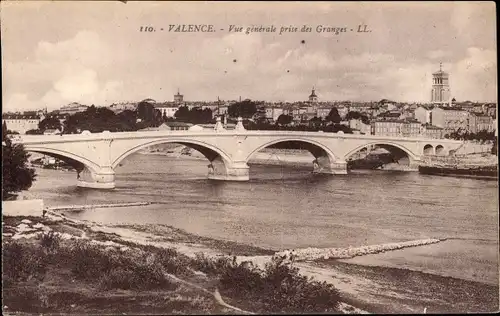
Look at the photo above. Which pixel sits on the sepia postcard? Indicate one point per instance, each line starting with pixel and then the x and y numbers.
pixel 204 157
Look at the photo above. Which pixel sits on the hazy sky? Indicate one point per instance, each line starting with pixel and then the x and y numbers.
pixel 54 53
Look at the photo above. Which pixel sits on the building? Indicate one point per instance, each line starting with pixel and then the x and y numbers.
pixel 178 98
pixel 72 108
pixel 313 97
pixel 396 128
pixel 431 131
pixel 120 107
pixel 440 93
pixel 480 122
pixel 166 110
pixel 20 123
pixel 272 113
pixel 222 109
pixel 450 118
pixel 387 104
pixel 411 128
pixel 390 115
pixel 423 114
pixel 343 110
pixel 363 128
pixel 390 127
pixel 323 112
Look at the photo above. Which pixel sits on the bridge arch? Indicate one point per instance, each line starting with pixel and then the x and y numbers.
pixel 66 157
pixel 325 160
pixel 410 153
pixel 440 150
pixel 209 151
pixel 313 147
pixel 428 150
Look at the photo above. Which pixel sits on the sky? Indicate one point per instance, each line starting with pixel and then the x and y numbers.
pixel 58 52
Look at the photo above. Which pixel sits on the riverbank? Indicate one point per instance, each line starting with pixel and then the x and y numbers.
pixel 373 289
pixel 55 264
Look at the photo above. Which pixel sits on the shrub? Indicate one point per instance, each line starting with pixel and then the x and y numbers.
pixel 23 263
pixel 288 291
pixel 50 241
pixel 89 262
pixel 278 288
pixel 211 266
pixel 244 279
pixel 133 275
pixel 172 261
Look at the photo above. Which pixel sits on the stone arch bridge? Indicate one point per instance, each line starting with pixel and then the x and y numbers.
pixel 96 155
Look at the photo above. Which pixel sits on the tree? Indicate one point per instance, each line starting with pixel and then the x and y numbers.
pixel 146 111
pixel 284 119
pixel 50 122
pixel 16 176
pixel 335 128
pixel 315 122
pixel 195 115
pixel 333 116
pixel 182 114
pixel 128 120
pixel 245 109
pixel 355 115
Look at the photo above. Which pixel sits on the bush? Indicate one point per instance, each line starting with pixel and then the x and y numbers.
pixel 279 288
pixel 244 279
pixel 211 266
pixel 136 277
pixel 23 263
pixel 288 291
pixel 172 261
pixel 89 262
pixel 50 241
pixel 114 270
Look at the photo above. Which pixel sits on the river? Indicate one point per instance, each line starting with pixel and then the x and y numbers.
pixel 283 207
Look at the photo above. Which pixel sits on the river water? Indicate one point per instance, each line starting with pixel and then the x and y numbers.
pixel 287 207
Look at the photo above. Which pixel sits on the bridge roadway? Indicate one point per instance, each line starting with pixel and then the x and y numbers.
pixel 96 155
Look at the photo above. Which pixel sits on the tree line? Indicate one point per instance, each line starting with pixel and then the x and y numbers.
pixel 98 119
pixel 482 136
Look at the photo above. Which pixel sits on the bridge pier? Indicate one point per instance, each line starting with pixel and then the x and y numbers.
pixel 414 163
pixel 104 178
pixel 236 171
pixel 324 165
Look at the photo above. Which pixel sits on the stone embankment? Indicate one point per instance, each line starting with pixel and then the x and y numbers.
pixel 307 254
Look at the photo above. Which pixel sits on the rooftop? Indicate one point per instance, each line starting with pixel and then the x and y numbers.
pixel 19 117
pixel 451 108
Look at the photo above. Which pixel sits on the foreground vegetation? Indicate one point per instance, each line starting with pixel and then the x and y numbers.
pixel 50 274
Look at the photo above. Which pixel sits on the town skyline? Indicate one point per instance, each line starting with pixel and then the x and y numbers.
pixel 98 60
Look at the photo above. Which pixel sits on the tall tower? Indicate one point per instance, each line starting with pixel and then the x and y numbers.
pixel 440 87
pixel 313 97
pixel 178 98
